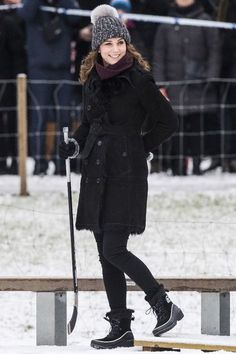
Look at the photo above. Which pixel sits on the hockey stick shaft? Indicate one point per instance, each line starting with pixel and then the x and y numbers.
pixel 72 322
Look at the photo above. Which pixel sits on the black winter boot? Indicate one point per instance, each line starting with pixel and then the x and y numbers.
pixel 120 334
pixel 166 312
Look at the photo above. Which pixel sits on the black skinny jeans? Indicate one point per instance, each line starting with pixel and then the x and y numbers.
pixel 117 261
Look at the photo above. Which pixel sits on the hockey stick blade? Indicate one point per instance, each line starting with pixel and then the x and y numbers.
pixel 71 324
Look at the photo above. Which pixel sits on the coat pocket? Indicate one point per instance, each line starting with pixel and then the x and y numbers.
pixel 117 158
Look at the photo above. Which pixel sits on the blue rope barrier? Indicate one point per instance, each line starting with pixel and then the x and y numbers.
pixel 138 17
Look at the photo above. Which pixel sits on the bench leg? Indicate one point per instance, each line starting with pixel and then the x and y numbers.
pixel 215 314
pixel 51 318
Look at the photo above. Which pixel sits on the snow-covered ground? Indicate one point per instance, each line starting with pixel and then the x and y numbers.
pixel 191 228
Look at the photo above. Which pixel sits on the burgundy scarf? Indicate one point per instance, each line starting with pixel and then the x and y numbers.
pixel 106 72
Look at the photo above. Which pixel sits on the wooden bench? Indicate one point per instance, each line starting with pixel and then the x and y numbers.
pixel 202 342
pixel 51 301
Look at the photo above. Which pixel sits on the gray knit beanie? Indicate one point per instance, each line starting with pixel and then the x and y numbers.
pixel 106 24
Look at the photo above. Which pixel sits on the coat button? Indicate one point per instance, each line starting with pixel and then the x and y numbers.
pixel 98 180
pixel 97 162
pixel 86 180
pixel 124 154
pixel 89 107
pixel 99 142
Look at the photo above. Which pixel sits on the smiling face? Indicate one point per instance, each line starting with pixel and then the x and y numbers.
pixel 112 50
pixel 184 3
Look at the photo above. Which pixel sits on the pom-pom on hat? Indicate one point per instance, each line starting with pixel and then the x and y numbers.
pixel 124 5
pixel 106 24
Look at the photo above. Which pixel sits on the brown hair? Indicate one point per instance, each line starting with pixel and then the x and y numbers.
pixel 90 60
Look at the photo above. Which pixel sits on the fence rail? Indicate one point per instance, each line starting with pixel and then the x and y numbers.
pixel 42 284
pixel 207 124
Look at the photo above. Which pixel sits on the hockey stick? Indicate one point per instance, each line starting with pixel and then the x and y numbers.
pixel 71 324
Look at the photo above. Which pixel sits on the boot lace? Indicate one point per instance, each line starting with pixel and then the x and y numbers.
pixel 115 327
pixel 159 310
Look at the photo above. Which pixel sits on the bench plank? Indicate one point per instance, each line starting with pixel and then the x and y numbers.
pixel 166 343
pixel 53 284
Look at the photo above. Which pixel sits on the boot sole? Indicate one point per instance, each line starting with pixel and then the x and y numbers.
pixel 126 340
pixel 176 315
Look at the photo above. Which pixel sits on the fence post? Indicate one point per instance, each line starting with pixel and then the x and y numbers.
pixel 22 131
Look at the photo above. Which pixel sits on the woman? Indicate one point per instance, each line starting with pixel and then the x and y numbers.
pixel 120 98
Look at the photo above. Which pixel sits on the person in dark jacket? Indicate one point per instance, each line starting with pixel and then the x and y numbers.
pixel 12 62
pixel 229 88
pixel 82 46
pixel 49 37
pixel 190 54
pixel 122 7
pixel 211 7
pixel 147 30
pixel 119 96
pixel 84 34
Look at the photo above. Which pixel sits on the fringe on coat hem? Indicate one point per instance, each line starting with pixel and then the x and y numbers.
pixel 112 228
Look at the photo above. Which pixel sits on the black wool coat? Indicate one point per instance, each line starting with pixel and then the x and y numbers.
pixel 113 191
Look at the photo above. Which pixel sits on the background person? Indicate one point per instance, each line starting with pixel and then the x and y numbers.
pixel 190 53
pixel 125 6
pixel 229 71
pixel 49 37
pixel 147 30
pixel 12 62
